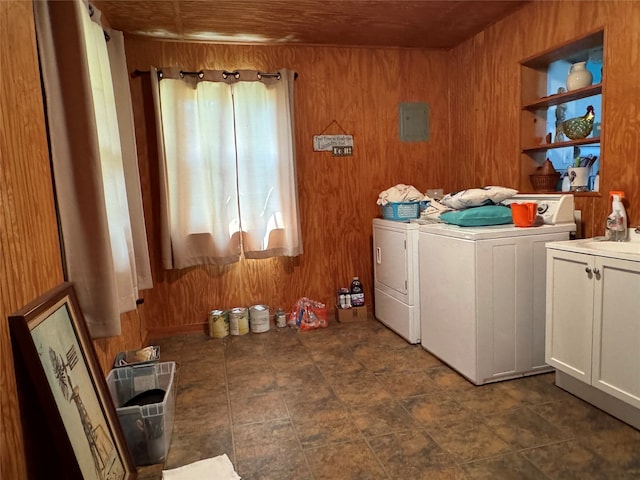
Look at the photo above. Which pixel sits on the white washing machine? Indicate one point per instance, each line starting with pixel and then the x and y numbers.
pixel 396 277
pixel 482 294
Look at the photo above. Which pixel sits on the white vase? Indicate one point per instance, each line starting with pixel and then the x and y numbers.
pixel 579 76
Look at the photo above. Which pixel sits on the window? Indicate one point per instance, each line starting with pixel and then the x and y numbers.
pixel 228 165
pixel 94 160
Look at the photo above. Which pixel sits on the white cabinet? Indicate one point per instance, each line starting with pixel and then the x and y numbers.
pixel 593 321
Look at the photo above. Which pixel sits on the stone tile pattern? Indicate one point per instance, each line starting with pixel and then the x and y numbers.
pixel 355 401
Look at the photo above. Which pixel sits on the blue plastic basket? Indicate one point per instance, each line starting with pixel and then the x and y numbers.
pixel 401 211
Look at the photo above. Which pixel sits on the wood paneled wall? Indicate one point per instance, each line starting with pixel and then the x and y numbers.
pixel 29 248
pixel 473 94
pixel 358 88
pixel 485 77
pixel 30 260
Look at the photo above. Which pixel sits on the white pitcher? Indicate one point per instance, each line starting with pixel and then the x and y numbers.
pixel 579 178
pixel 579 76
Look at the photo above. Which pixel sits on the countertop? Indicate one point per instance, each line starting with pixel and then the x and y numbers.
pixel 629 250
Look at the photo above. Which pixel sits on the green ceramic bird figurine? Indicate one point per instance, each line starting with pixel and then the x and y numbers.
pixel 579 127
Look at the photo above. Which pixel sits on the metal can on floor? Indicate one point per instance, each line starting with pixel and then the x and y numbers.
pixel 259 318
pixel 218 323
pixel 238 321
pixel 280 318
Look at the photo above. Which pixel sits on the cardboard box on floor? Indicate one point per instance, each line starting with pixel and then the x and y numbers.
pixel 353 314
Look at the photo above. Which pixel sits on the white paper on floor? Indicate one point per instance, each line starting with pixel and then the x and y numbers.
pixel 216 468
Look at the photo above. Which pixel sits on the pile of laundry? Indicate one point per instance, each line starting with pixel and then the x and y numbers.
pixel 401 193
pixel 431 208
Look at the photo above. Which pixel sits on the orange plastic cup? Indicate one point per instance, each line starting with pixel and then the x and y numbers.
pixel 524 214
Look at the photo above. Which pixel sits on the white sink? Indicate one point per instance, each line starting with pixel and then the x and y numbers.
pixel 621 247
pixel 629 250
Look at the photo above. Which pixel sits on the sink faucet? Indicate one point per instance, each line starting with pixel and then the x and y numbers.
pixel 637 229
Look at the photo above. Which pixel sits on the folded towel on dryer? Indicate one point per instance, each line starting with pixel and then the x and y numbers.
pixel 431 213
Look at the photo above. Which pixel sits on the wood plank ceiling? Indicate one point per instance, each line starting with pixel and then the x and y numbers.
pixel 368 23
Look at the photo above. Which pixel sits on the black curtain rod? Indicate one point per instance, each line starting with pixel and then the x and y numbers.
pixel 137 73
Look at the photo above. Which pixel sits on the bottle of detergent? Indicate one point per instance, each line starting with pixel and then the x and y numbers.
pixel 357 295
pixel 616 228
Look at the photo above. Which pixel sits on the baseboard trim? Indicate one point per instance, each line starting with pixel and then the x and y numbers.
pixel 161 332
pixel 196 328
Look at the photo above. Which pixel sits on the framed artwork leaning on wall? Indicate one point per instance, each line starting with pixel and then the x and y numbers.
pixel 59 358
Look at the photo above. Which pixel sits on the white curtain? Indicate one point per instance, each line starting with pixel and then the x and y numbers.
pixel 104 260
pixel 139 260
pixel 227 166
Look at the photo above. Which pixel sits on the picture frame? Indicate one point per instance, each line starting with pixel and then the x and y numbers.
pixel 59 359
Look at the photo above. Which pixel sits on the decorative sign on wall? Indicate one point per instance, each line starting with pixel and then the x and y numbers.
pixel 325 143
pixel 342 151
pixel 339 145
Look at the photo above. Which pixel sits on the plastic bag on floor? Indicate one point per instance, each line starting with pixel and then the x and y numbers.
pixel 308 315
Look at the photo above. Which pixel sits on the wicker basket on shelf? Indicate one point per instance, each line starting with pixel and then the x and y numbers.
pixel 545 182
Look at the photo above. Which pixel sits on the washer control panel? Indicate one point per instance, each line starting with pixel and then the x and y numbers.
pixel 552 207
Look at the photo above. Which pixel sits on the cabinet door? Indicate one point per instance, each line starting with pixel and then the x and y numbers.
pixel 569 318
pixel 616 333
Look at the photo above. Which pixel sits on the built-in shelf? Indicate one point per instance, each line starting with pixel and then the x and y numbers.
pixel 538 79
pixel 575 194
pixel 565 97
pixel 570 143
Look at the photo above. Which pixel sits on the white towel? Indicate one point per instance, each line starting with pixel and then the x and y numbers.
pixel 431 214
pixel 400 193
pixel 216 468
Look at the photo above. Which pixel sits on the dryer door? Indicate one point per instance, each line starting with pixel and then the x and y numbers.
pixel 390 260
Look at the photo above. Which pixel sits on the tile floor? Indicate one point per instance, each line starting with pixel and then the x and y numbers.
pixel 355 401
